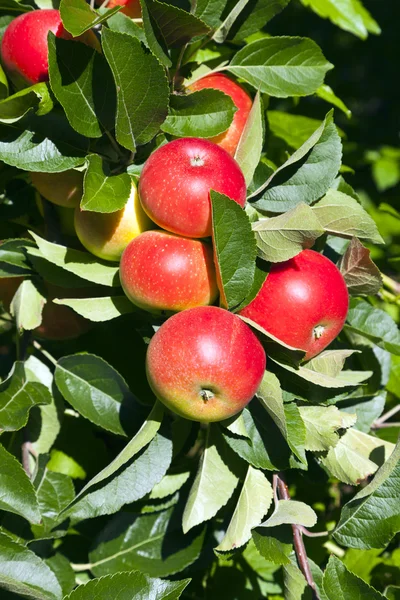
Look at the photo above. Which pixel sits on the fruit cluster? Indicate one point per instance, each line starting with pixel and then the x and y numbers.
pixel 204 363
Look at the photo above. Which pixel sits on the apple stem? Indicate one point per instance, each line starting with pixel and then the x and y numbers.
pixel 207 395
pixel 196 161
pixel 298 540
pixel 318 331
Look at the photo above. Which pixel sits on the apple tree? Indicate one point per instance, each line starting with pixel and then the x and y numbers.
pixel 109 488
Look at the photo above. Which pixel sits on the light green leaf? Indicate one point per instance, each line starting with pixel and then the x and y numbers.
pixel 102 191
pixel 17 492
pixel 291 512
pixel 27 306
pixel 293 129
pixel 339 214
pixel 17 396
pixel 205 114
pixel 281 66
pixel 340 584
pixel 360 273
pixel 295 585
pixel 98 309
pixel 322 425
pixel 142 101
pixel 55 492
pixel 77 16
pixel 326 93
pixel 24 573
pixel 79 263
pixel 356 456
pixel 213 486
pixel 249 148
pixel 256 14
pixel 343 379
pixel 275 544
pixel 330 362
pixel 222 32
pixel 280 238
pixel 169 484
pixel 372 517
pixel 349 15
pixel 254 502
pixel 3 84
pixel 36 98
pixel 374 324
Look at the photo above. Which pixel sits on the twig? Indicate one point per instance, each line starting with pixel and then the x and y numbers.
pixel 275 488
pixel 44 352
pixel 26 450
pixel 383 425
pixel 387 415
pixel 391 284
pixel 175 79
pixel 298 541
pixel 312 534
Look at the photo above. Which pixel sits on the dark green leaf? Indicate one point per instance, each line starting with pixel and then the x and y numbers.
pixel 274 544
pixel 104 192
pixel 200 114
pixel 176 27
pixel 340 584
pixel 61 567
pixel 374 324
pixel 77 16
pixel 255 15
pixel 35 98
pixel 123 24
pixel 210 11
pixel 281 66
pixel 13 258
pixel 17 492
pixel 142 101
pixel 54 492
pixel 234 248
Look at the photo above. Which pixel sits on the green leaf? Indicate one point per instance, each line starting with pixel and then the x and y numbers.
pixel 79 263
pixel 254 502
pixel 96 391
pixel 152 543
pixel 98 309
pixel 205 114
pixel 142 101
pixel 17 396
pixel 367 411
pixel 129 586
pixel 169 484
pixel 330 362
pixel 323 424
pixel 35 98
pixel 136 479
pixel 3 84
pixel 281 66
pixel 255 15
pixel 55 492
pixel 340 584
pixel 274 544
pixel 123 24
pixel 82 82
pixel 213 486
pixel 291 512
pixel 234 249
pixel 61 567
pixel 175 26
pixel 386 172
pixel 356 456
pixel 360 273
pixel 372 517
pixel 27 306
pixel 392 592
pixel 210 11
pixel 17 492
pixel 249 148
pixel 25 574
pixel 374 324
pixel 339 214
pixel 154 39
pixel 317 161
pixel 349 15
pixel 280 238
pixel 13 260
pixel 294 130
pixel 77 16
pixel 104 192
pixel 326 93
pixel 142 438
pixel 343 379
pixel 222 32
pixel 295 584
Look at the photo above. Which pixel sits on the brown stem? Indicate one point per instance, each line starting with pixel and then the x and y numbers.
pixel 387 415
pixel 26 454
pixel 298 541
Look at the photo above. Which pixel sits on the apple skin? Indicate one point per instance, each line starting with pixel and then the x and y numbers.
pixel 24 50
pixel 205 364
pixel 163 273
pixel 106 235
pixel 303 302
pixel 229 139
pixel 63 189
pixel 131 8
pixel 175 184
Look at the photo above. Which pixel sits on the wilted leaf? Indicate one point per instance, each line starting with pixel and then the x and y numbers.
pixel 360 273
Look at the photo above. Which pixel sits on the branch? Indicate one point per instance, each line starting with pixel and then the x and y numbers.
pixel 386 416
pixel 298 541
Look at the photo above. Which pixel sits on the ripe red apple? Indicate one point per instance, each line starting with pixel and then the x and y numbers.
pixel 24 46
pixel 163 272
pixel 228 139
pixel 176 180
pixel 106 235
pixel 63 189
pixel 205 364
pixel 131 8
pixel 303 302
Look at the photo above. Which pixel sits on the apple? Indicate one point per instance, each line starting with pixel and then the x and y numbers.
pixel 131 8
pixel 106 235
pixel 228 139
pixel 163 273
pixel 205 364
pixel 175 184
pixel 63 189
pixel 24 45
pixel 303 302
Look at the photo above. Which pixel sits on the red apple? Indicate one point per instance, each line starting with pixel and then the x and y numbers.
pixel 63 189
pixel 131 8
pixel 163 272
pixel 205 364
pixel 228 139
pixel 176 180
pixel 24 46
pixel 303 302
